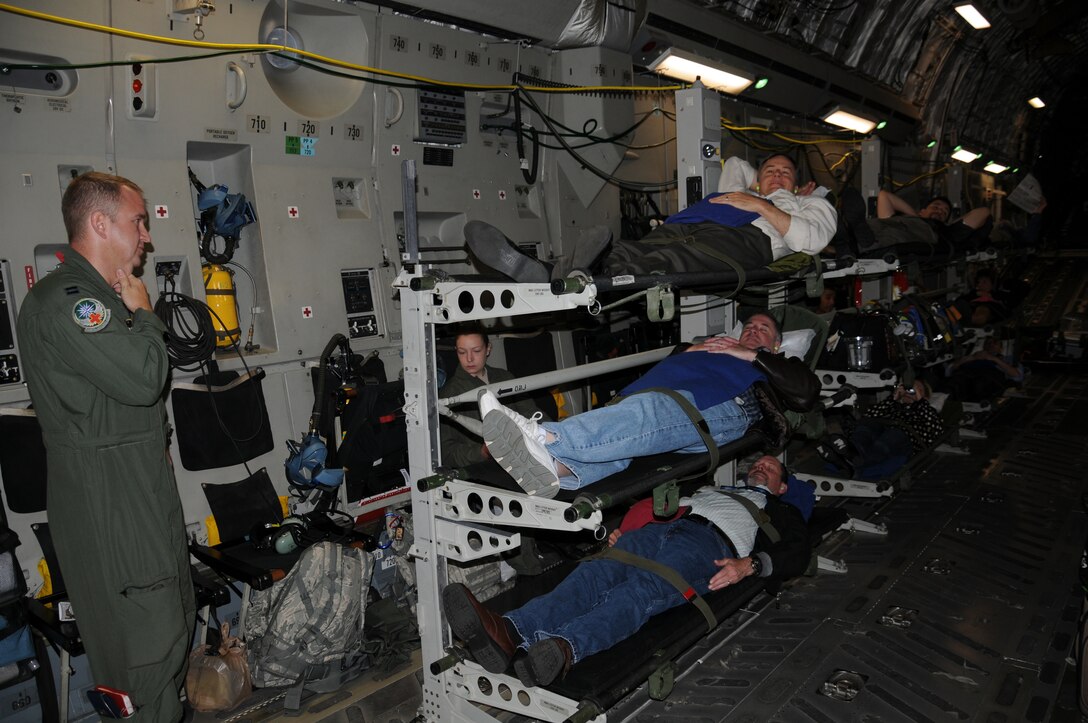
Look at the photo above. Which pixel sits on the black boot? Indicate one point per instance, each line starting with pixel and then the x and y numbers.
pixel 491 247
pixel 853 216
pixel 830 453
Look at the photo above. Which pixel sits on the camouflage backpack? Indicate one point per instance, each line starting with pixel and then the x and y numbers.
pixel 307 629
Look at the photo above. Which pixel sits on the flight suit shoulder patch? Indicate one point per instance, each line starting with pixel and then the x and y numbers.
pixel 91 314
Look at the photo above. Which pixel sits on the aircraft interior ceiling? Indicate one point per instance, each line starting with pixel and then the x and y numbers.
pixel 914 64
pixel 966 87
pixel 985 77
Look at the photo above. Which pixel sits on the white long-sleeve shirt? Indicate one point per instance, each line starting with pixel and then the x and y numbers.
pixel 730 516
pixel 812 219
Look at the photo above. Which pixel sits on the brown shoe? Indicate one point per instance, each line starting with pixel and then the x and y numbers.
pixel 484 633
pixel 547 660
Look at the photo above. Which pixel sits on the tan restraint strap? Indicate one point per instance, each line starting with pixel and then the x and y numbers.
pixel 667 574
pixel 760 516
pixel 696 418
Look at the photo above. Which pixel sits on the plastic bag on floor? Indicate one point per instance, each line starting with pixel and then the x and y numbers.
pixel 218 680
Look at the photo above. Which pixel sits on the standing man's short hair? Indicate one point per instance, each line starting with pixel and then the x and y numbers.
pixel 92 192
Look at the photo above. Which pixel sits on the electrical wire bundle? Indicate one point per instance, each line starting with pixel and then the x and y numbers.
pixel 190 344
pixel 190 335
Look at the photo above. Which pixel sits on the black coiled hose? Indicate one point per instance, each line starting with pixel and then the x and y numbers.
pixel 190 335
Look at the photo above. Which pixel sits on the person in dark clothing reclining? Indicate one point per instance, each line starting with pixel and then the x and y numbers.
pixel 719 377
pixel 886 437
pixel 986 306
pixel 712 543
pixel 752 224
pixel 898 223
pixel 983 375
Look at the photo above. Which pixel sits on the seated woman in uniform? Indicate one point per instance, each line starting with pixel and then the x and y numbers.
pixel 459 447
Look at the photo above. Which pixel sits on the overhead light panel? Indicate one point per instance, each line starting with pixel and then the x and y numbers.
pixel 686 66
pixel 973 17
pixel 838 117
pixel 1037 102
pixel 995 168
pixel 962 154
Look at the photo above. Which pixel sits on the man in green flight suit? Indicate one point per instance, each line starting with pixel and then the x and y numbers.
pixel 96 366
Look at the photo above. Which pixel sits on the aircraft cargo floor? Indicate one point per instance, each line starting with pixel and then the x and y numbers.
pixel 983 547
pixel 981 560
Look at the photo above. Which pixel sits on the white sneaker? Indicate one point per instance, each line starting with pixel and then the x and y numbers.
pixel 528 425
pixel 518 450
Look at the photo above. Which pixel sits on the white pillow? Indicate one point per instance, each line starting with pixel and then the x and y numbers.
pixel 794 343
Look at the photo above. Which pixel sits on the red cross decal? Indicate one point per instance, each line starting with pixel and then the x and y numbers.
pixel 292 211
pixel 476 193
pixel 502 195
pixel 307 312
pixel 396 150
pixel 162 211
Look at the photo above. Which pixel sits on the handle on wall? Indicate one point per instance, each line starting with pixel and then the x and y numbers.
pixel 238 96
pixel 395 95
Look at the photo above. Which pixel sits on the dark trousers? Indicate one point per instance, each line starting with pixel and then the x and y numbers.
pixel 882 448
pixel 680 247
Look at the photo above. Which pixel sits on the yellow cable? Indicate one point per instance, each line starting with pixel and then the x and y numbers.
pixel 842 160
pixel 596 88
pixel 815 142
pixel 139 36
pixel 942 169
pixel 270 48
pixel 727 125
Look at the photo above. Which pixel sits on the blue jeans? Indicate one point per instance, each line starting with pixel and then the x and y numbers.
pixel 602 442
pixel 603 601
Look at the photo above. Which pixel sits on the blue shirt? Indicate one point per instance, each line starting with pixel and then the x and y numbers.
pixel 711 378
pixel 706 212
